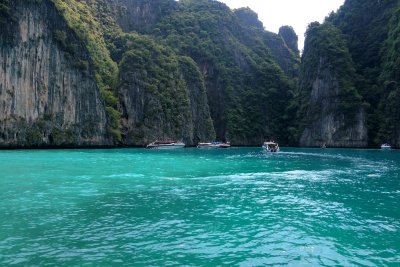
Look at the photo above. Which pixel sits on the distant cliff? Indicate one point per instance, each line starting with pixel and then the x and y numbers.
pixel 162 96
pixel 362 44
pixel 112 73
pixel 82 73
pixel 331 106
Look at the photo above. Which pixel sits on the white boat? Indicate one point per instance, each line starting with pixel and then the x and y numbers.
pixel 214 145
pixel 167 144
pixel 271 146
pixel 386 146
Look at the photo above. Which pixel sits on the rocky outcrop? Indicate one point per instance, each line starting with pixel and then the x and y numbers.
pixel 148 113
pixel 331 109
pixel 46 99
pixel 203 129
pixel 326 124
pixel 290 37
pixel 127 72
pixel 162 99
pixel 249 17
pixel 372 39
pixel 135 15
pixel 287 60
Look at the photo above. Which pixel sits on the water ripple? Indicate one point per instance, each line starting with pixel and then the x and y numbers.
pixel 221 208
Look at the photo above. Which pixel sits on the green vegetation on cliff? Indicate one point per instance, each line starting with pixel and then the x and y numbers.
pixel 372 39
pixel 156 68
pixel 236 61
pixel 389 106
pixel 330 109
pixel 80 19
pixel 4 11
pixel 325 47
pixel 196 70
pixel 247 90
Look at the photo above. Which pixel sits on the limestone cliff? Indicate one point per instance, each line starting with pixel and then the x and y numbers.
pixel 372 39
pixel 134 15
pixel 331 110
pixel 162 96
pixel 127 72
pixel 46 99
pixel 240 66
pixel 326 123
pixel 290 37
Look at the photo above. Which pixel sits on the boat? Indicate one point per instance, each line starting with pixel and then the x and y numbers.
pixel 271 146
pixel 214 145
pixel 386 146
pixel 166 144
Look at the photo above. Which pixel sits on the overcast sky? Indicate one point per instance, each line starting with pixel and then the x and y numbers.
pixel 296 13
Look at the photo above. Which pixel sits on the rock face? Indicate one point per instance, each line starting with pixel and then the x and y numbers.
pixel 249 17
pixel 173 106
pixel 203 128
pixel 45 98
pixel 287 59
pixel 331 110
pixel 290 37
pixel 127 72
pixel 326 124
pixel 137 15
pixel 372 39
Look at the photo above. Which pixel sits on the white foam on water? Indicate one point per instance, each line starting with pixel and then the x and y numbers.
pixel 374 175
pixel 313 175
pixel 125 175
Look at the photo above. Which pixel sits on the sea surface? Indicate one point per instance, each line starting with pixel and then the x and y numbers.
pixel 192 207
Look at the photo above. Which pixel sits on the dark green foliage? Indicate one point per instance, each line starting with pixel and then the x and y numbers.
pixel 61 37
pixel 246 88
pixel 197 57
pixel 389 107
pixel 370 30
pixel 290 37
pixel 34 138
pixel 157 70
pixel 326 56
pixel 5 14
pixel 79 17
pixel 48 131
pixel 202 122
pixel 391 51
pixel 249 17
pixel 8 23
pixel 60 137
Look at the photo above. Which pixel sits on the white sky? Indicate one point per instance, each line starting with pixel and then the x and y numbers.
pixel 295 13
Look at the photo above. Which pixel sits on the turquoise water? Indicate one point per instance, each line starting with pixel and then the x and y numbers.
pixel 234 207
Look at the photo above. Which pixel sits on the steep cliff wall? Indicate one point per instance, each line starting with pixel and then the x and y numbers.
pixel 389 105
pixel 82 73
pixel 203 129
pixel 162 96
pixel 371 38
pixel 326 124
pixel 331 111
pixel 241 70
pixel 286 58
pixel 46 99
pixel 132 15
pixel 290 37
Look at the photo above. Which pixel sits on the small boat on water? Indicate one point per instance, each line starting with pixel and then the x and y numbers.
pixel 386 146
pixel 271 146
pixel 214 145
pixel 166 144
